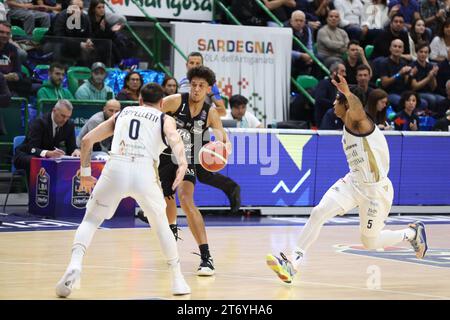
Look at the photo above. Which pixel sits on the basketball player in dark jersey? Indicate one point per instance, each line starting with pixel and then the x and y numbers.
pixel 193 118
pixel 215 180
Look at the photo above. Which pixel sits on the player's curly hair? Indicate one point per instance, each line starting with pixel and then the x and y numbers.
pixel 202 72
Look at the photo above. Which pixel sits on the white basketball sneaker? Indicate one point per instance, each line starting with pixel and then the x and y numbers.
pixel 179 286
pixel 70 280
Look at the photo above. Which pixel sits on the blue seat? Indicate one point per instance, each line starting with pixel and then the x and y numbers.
pixel 14 171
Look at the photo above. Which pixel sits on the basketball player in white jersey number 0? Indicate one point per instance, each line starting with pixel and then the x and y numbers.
pixel 366 186
pixel 140 135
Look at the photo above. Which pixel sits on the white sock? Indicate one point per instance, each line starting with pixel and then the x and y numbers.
pixel 297 257
pixel 83 238
pixel 175 268
pixel 409 234
pixel 78 251
pixel 388 238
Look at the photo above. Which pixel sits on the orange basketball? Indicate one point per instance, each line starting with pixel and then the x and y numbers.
pixel 213 156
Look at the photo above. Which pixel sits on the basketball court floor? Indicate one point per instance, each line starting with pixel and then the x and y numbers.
pixel 124 262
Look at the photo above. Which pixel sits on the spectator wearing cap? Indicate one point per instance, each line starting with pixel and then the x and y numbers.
pixel 52 88
pixel 239 112
pixel 95 88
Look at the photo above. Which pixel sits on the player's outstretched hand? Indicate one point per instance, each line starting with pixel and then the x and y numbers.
pixel 342 85
pixel 87 183
pixel 180 176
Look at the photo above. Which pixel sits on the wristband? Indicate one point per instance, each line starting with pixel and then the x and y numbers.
pixel 85 171
pixel 397 75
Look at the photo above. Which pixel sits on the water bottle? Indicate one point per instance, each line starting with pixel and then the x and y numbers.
pixel 390 113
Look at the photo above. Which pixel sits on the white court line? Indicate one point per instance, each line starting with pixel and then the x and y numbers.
pixel 242 277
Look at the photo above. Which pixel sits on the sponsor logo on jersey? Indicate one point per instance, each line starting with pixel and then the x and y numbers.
pixel 190 172
pixel 42 188
pixel 435 257
pixel 203 115
pixel 185 135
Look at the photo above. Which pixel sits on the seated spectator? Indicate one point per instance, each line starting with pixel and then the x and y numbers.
pixel 406 119
pixel 248 13
pixel 375 14
pixel 111 18
pixel 101 29
pixel 28 13
pixel 76 44
pixel 362 82
pixel 213 98
pixel 325 92
pixel 351 14
pixel 433 12
pixel 111 108
pixel 238 112
pixel 301 61
pixel 170 86
pixel 52 88
pixel 355 57
pixel 443 105
pixel 10 65
pixel 395 30
pixel 307 8
pixel 5 99
pixel 50 136
pixel 374 20
pixel 132 87
pixel 331 40
pixel 417 35
pixel 50 6
pixel 443 124
pixel 442 77
pixel 280 9
pixel 395 74
pixel 376 107
pixel 95 87
pixel 424 81
pixel 409 9
pixel 330 121
pixel 440 46
pixel 321 9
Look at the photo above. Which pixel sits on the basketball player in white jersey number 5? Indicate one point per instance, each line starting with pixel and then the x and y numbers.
pixel 366 186
pixel 140 135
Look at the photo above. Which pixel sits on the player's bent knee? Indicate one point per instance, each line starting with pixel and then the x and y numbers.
pixel 99 210
pixel 370 243
pixel 317 214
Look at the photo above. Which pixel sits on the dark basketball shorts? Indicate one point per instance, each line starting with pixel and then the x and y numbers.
pixel 167 171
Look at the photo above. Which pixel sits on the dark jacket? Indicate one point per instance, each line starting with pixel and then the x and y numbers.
pixel 40 137
pixel 383 42
pixel 9 60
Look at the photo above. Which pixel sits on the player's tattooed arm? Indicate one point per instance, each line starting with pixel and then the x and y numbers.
pixel 356 109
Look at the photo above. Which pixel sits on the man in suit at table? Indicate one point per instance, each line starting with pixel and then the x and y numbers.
pixel 50 136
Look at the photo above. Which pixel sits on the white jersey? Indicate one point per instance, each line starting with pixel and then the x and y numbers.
pixel 139 133
pixel 367 156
